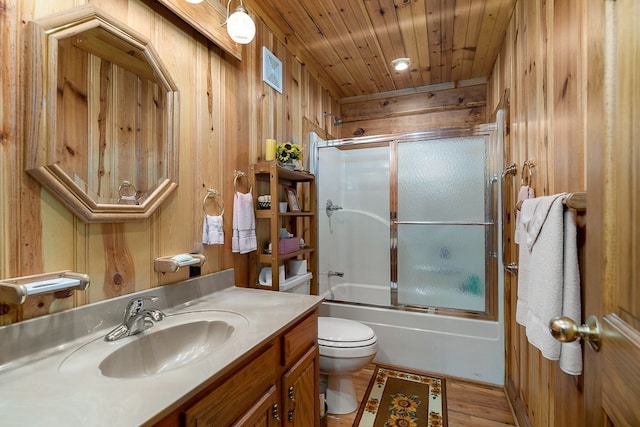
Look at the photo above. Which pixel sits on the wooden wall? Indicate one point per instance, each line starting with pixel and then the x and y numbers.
pixel 226 113
pixel 455 104
pixel 542 73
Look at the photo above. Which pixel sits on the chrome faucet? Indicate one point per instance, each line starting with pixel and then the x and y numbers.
pixel 335 273
pixel 136 319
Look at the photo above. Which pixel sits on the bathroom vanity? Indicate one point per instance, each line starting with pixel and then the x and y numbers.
pixel 262 368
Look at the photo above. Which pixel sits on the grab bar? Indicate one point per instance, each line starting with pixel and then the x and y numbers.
pixel 512 170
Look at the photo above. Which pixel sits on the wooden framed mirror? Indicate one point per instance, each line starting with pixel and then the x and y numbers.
pixel 102 115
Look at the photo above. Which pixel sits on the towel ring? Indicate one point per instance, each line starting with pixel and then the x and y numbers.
pixel 528 166
pixel 211 193
pixel 239 175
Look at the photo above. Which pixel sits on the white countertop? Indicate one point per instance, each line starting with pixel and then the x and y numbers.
pixel 35 392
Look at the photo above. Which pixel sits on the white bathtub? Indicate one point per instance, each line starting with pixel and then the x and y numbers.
pixel 448 345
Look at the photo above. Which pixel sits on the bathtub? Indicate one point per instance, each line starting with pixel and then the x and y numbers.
pixel 452 346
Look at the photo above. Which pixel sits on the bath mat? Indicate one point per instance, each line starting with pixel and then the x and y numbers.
pixel 396 398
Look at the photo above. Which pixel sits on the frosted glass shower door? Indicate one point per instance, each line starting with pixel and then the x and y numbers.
pixel 442 223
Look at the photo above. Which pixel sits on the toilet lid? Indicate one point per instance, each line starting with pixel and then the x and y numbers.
pixel 336 332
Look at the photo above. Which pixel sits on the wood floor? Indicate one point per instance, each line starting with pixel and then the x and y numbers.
pixel 469 404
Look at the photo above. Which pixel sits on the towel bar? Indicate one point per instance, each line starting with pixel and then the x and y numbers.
pixel 577 201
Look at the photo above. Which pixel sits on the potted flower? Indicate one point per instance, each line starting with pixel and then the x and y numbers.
pixel 289 155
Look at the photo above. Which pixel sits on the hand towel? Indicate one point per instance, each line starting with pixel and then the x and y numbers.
pixel 243 239
pixel 525 193
pixel 548 277
pixel 212 232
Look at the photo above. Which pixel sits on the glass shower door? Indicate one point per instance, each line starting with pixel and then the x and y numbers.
pixel 443 223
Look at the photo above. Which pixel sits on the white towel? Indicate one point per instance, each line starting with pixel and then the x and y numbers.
pixel 243 239
pixel 525 193
pixel 212 232
pixel 548 277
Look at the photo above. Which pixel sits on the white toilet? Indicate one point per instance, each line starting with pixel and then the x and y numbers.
pixel 346 346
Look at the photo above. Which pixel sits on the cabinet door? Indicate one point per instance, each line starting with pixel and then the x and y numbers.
pixel 300 389
pixel 230 400
pixel 265 413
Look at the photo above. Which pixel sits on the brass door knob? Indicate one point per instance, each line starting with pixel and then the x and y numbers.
pixel 566 330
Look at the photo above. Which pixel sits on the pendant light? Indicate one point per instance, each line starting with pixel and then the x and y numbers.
pixel 240 26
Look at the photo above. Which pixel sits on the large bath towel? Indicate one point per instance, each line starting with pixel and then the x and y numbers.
pixel 548 277
pixel 243 239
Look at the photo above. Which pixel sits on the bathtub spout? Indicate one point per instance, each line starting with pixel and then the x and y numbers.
pixel 335 273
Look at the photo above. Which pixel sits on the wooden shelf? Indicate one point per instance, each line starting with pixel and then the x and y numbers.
pixel 268 258
pixel 273 179
pixel 268 213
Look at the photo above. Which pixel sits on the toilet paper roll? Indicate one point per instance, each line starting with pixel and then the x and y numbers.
pixel 265 275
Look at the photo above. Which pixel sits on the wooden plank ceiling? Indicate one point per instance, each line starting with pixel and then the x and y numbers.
pixel 349 44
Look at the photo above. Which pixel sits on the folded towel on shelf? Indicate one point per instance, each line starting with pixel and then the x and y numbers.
pixel 525 193
pixel 212 232
pixel 243 239
pixel 548 277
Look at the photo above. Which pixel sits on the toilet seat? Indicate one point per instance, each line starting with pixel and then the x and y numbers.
pixel 345 338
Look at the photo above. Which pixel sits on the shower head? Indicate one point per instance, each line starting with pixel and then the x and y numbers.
pixel 337 121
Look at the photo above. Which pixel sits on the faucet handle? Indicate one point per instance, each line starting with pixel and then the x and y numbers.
pixel 135 305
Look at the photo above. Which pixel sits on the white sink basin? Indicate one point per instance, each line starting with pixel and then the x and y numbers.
pixel 175 342
pixel 166 349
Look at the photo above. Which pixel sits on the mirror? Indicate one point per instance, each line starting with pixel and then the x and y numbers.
pixel 101 133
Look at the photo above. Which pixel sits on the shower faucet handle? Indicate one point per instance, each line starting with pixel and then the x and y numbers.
pixel 330 208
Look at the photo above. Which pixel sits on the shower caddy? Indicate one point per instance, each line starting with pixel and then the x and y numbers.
pixel 278 182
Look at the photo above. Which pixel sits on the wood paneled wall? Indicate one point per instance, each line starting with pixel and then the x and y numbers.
pixel 455 104
pixel 226 113
pixel 542 71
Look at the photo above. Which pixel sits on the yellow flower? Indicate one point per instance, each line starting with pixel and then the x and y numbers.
pixel 398 420
pixel 404 404
pixel 287 151
pixel 372 405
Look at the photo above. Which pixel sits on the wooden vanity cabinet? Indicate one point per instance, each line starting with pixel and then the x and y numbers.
pixel 301 373
pixel 278 385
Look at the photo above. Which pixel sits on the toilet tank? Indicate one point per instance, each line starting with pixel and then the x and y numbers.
pixel 300 284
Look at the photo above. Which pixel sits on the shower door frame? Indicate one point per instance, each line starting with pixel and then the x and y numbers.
pixel 488 130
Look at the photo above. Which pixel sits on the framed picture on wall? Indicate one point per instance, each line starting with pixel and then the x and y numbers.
pixel 292 200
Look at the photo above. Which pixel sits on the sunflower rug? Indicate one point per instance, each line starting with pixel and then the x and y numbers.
pixel 396 398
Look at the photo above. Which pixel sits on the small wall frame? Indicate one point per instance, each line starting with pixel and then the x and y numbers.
pixel 271 69
pixel 292 200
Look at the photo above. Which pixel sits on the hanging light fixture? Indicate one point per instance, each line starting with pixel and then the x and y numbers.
pixel 401 64
pixel 240 26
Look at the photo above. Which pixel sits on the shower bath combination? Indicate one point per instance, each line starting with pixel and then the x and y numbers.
pixel 417 243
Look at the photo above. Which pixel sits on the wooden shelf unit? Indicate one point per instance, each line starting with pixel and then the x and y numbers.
pixel 271 178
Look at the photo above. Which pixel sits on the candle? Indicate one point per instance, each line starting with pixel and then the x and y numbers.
pixel 270 150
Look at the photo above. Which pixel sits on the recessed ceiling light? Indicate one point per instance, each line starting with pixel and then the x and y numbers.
pixel 401 64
